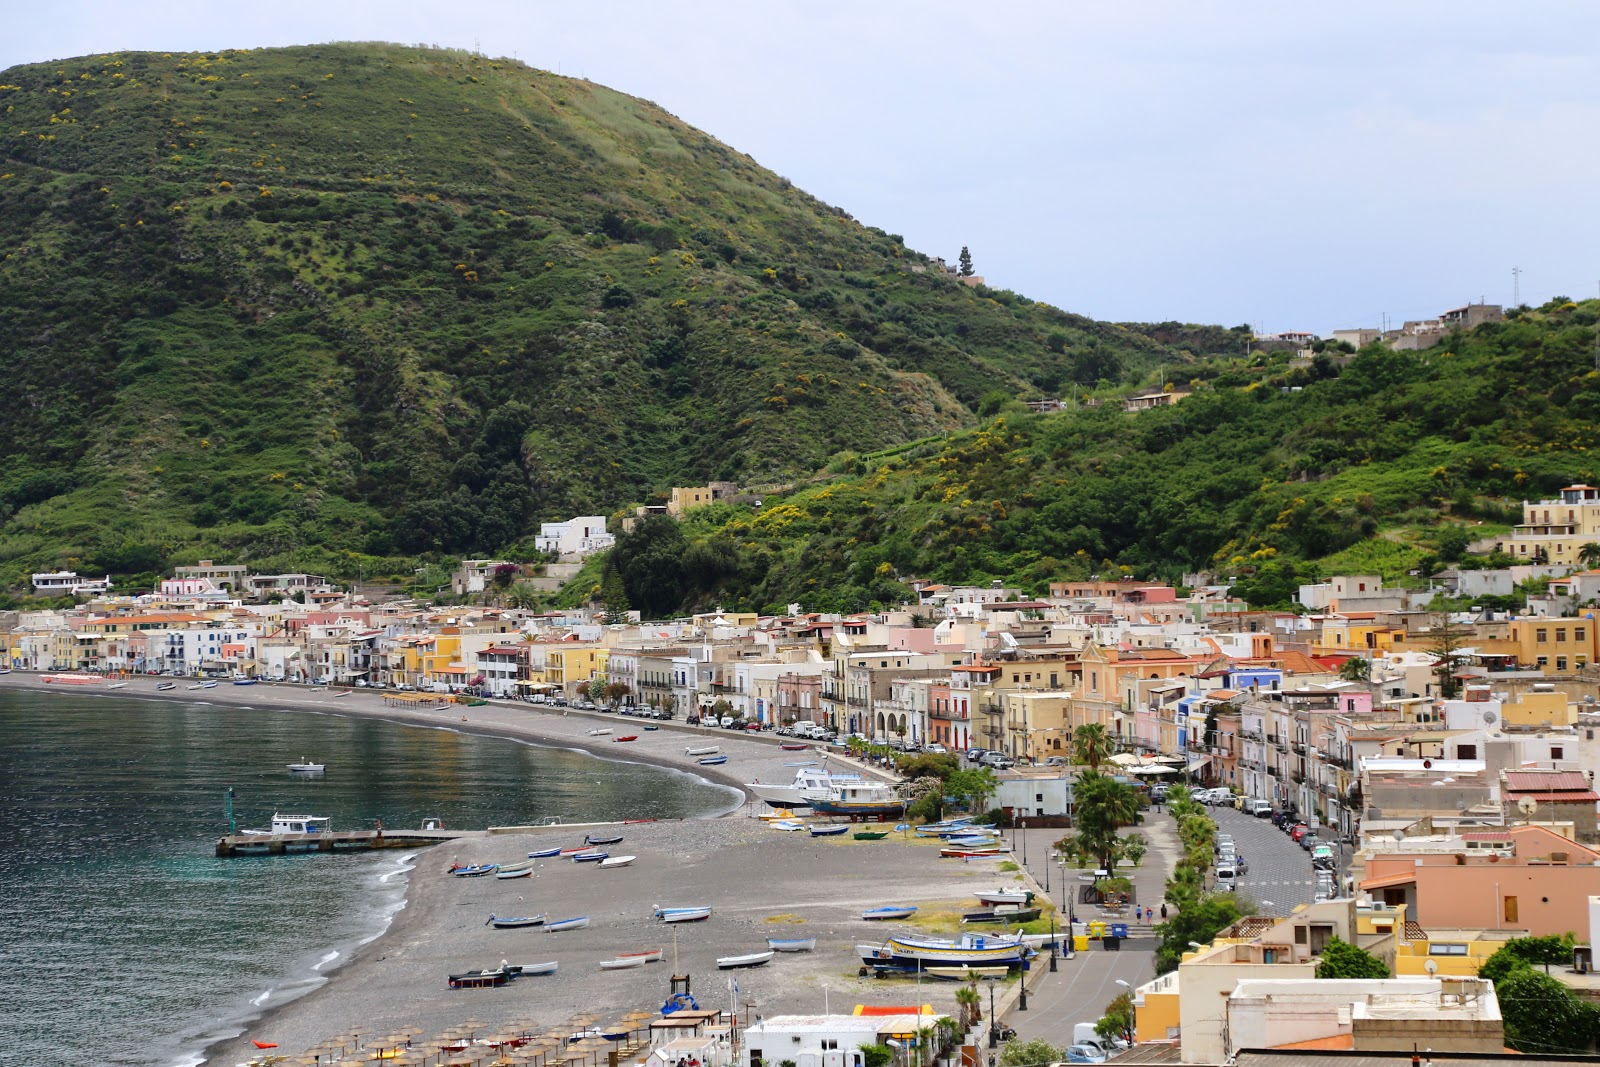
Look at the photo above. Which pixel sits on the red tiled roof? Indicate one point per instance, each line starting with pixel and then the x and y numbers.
pixel 1518 781
pixel 1486 835
pixel 1587 796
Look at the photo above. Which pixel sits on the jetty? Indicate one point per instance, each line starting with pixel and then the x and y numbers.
pixel 335 841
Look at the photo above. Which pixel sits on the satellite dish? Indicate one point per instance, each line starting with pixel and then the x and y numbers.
pixel 1488 717
pixel 1399 835
pixel 1527 805
pixel 1430 966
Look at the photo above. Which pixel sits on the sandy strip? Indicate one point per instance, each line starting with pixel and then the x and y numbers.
pixel 761 882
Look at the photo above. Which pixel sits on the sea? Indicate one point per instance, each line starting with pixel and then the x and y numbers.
pixel 124 940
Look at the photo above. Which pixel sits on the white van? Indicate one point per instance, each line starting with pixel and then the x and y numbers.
pixel 1227 877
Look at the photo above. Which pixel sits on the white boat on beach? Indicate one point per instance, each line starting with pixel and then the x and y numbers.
pixel 568 924
pixel 792 944
pixel 616 861
pixel 621 963
pixel 963 972
pixel 504 875
pixel 1003 896
pixel 649 955
pixel 117 685
pixel 522 970
pixel 683 915
pixel 703 750
pixel 516 923
pixel 601 732
pixel 891 911
pixel 809 784
pixel 196 685
pixel 750 959
pixel 342 693
pixel 305 766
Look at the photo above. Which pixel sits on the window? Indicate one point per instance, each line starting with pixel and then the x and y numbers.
pixel 1466 752
pixel 1541 635
pixel 1543 662
pixel 1561 633
pixel 1447 948
pixel 1561 663
pixel 1578 633
pixel 1557 752
pixel 1508 909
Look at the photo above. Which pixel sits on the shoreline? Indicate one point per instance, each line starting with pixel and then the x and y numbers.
pixel 414 926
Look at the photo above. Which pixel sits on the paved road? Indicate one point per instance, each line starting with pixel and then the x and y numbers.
pixel 1280 870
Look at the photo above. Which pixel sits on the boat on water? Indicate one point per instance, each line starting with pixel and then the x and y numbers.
pixel 590 839
pixel 305 766
pixel 891 911
pixel 792 944
pixel 749 959
pixel 860 798
pixel 590 857
pixel 870 835
pixel 568 924
pixel 1004 896
pixel 293 824
pixel 625 737
pixel 613 862
pixel 515 923
pixel 481 979
pixel 711 761
pixel 1002 914
pixel 914 953
pixel 543 853
pixel 475 870
pixel 522 970
pixel 601 732
pixel 964 973
pixel 683 915
pixel 829 831
pixel 620 963
pixel 505 875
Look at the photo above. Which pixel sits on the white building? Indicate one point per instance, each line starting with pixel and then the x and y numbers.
pixel 582 536
pixel 67 583
pixel 831 1040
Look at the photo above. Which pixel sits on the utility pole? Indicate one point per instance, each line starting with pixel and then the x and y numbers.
pixel 1516 287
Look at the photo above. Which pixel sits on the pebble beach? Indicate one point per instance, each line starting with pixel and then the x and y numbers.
pixel 760 882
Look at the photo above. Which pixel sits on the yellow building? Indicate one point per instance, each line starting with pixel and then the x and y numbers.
pixel 1554 531
pixel 1453 953
pixel 1540 709
pixel 1553 645
pixel 568 665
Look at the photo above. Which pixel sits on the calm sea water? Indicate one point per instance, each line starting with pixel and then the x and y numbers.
pixel 125 941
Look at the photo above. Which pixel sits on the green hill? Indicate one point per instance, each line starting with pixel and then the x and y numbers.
pixel 303 306
pixel 1266 476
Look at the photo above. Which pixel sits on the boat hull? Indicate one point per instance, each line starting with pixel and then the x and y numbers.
pixel 792 944
pixel 522 970
pixel 621 963
pixel 753 959
pixel 517 923
pixel 683 915
pixel 567 924
pixel 904 955
pixel 859 810
pixel 613 862
pixel 828 831
pixel 889 913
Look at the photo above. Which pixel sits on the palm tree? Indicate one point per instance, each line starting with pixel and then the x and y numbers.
pixel 1092 745
pixel 1100 805
pixel 1589 554
pixel 1355 670
pixel 971 1005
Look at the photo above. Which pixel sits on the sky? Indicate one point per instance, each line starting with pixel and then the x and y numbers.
pixel 1290 166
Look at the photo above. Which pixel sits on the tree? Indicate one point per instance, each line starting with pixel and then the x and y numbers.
pixel 613 595
pixel 876 1055
pixel 650 563
pixel 964 263
pixel 1200 920
pixel 1525 952
pixel 970 1005
pixel 1017 1053
pixel 1101 805
pixel 1589 554
pixel 1092 745
pixel 1355 670
pixel 1444 640
pixel 975 785
pixel 1340 959
pixel 616 691
pixel 1541 1015
pixel 1118 1019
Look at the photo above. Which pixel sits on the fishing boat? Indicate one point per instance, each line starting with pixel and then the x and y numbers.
pixel 515 924
pixel 590 839
pixel 829 831
pixel 892 911
pixel 870 835
pixel 913 953
pixel 859 798
pixel 117 685
pixel 506 875
pixel 294 824
pixel 620 963
pixel 712 761
pixel 964 973
pixel 480 979
pixel 523 970
pixel 1003 914
pixel 809 783
pixel 794 748
pixel 649 955
pixel 652 727
pixel 702 750
pixel 568 924
pixel 613 862
pixel 594 856
pixel 244 681
pixel 968 852
pixel 683 915
pixel 544 853
pixel 305 766
pixel 208 685
pixel 792 944
pixel 625 737
pixel 1004 896
pixel 196 685
pixel 787 824
pixel 162 687
pixel 749 959
pixel 601 732
pixel 475 870
pixel 520 865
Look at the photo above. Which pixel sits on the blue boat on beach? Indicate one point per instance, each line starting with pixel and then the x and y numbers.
pixel 590 857
pixel 712 761
pixel 829 831
pixel 892 911
pixel 544 853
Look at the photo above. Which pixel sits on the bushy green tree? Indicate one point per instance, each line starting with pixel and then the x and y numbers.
pixel 973 785
pixel 1340 959
pixel 1542 1016
pixel 1199 920
pixel 1020 1053
pixel 1118 1019
pixel 1101 805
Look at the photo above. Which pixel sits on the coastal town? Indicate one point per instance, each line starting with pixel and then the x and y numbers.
pixel 1376 772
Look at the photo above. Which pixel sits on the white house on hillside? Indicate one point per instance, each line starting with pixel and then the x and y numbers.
pixel 581 536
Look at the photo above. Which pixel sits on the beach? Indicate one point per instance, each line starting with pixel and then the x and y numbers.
pixel 760 882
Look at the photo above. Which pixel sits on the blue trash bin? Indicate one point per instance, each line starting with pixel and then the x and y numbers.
pixel 1119 930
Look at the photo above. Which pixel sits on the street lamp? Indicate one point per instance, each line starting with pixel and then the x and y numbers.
pixel 1052 937
pixel 994 1024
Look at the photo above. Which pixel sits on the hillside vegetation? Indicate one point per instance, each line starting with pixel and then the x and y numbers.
pixel 1267 477
pixel 333 306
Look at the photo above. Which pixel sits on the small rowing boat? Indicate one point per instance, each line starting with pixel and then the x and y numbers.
pixel 480 979
pixel 787 824
pixel 625 737
pixel 522 970
pixel 613 862
pixel 870 835
pixel 973 853
pixel 590 839
pixel 1006 913
pixel 196 685
pixel 117 685
pixel 1004 896
pixel 792 944
pixel 162 687
pixel 475 870
pixel 828 831
pixel 702 750
pixel 544 853
pixel 568 924
pixel 504 875
pixel 892 911
pixel 590 857
pixel 962 973
pixel 516 923
pixel 683 915
pixel 620 963
pixel 601 732
pixel 342 693
pixel 649 955
pixel 794 748
pixel 751 959
pixel 244 681
pixel 712 761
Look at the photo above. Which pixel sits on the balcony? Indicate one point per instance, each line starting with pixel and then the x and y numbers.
pixel 1299 748
pixel 1280 745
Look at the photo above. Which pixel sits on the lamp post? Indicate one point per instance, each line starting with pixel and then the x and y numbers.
pixel 994 1024
pixel 1052 939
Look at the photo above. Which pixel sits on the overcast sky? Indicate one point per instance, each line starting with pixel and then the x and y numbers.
pixel 1293 166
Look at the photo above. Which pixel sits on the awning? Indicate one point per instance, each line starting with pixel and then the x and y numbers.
pixel 1197 763
pixel 1162 769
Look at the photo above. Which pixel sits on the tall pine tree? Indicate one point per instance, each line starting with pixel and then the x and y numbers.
pixel 964 263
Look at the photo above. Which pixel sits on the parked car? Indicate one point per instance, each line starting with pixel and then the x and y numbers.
pixel 1084 1054
pixel 1258 808
pixel 975 755
pixel 726 722
pixel 1322 857
pixel 936 747
pixel 693 720
pixel 753 726
pixel 1309 840
pixel 1297 831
